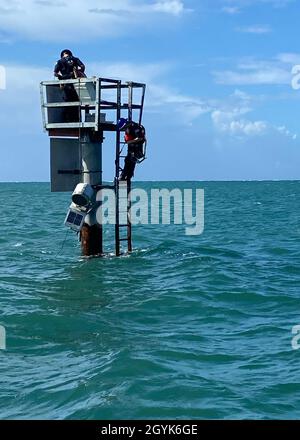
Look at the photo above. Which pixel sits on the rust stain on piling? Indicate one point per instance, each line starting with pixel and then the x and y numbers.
pixel 91 240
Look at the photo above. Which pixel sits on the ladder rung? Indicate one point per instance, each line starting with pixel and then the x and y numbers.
pixel 123 239
pixel 123 226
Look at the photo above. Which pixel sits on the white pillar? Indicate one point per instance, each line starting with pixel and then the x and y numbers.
pixel 92 169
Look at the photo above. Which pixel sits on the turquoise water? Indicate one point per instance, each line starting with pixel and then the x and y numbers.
pixel 185 327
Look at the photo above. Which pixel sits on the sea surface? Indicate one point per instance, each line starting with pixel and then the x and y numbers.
pixel 186 327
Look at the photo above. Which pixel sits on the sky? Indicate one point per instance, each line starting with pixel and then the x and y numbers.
pixel 220 102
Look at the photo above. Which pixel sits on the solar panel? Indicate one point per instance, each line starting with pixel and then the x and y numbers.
pixel 78 219
pixel 71 217
pixel 75 219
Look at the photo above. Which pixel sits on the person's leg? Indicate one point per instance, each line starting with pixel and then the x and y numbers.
pixel 130 172
pixel 70 95
pixel 129 166
pixel 125 170
pixel 139 151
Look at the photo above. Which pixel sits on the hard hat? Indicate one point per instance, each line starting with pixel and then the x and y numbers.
pixel 66 51
pixel 121 123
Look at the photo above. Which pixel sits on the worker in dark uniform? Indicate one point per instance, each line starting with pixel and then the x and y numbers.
pixel 135 138
pixel 69 67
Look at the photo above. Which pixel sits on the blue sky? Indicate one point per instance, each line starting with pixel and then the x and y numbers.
pixel 220 104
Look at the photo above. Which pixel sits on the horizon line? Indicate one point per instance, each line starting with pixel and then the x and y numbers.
pixel 181 180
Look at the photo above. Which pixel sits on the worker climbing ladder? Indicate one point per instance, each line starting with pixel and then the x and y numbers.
pixel 75 161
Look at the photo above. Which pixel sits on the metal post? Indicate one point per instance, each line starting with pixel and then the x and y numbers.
pixel 91 233
pixel 142 103
pixel 130 98
pixel 117 162
pixel 129 227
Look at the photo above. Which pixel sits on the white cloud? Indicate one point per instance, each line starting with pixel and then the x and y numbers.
pixel 52 20
pixel 286 132
pixel 250 71
pixel 247 3
pixel 128 71
pixel 255 72
pixel 188 108
pixel 231 10
pixel 241 95
pixel 255 29
pixel 230 119
pixel 27 78
pixel 160 96
pixel 174 7
pixel 278 3
pixel 21 99
pixel 230 122
pixel 289 58
pixel 259 77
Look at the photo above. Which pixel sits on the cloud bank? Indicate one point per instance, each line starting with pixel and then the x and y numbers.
pixel 54 20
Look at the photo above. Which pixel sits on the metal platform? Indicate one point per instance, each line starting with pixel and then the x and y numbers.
pixel 100 100
pixel 76 128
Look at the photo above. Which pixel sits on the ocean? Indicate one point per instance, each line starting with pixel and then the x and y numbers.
pixel 186 327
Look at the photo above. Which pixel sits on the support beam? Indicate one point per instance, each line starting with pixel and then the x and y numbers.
pixel 91 240
pixel 91 233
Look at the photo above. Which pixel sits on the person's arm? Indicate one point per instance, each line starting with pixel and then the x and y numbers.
pixel 57 72
pixel 136 140
pixel 139 135
pixel 80 66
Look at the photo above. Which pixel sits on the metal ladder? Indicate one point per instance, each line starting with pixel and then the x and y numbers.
pixel 123 188
pixel 122 191
pixel 123 223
